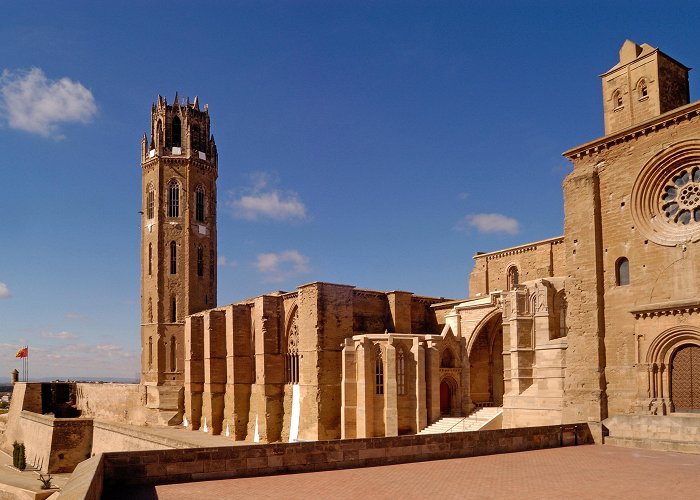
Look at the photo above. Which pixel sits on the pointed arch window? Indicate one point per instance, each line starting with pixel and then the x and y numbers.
pixel 173 199
pixel 447 360
pixel 622 272
pixel 200 261
pixel 292 357
pixel 513 277
pixel 617 99
pixel 400 372
pixel 177 132
pixel 159 134
pixel 378 372
pixel 173 257
pixel 199 203
pixel 150 201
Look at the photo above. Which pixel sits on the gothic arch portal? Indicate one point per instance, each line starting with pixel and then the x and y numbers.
pixel 670 359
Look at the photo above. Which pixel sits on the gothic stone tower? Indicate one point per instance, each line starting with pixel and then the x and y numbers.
pixel 178 235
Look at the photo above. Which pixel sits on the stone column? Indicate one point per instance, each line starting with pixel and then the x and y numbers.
pixel 239 370
pixel 400 311
pixel 432 364
pixel 391 416
pixel 194 370
pixel 348 410
pixel 365 389
pixel 418 352
pixel 214 369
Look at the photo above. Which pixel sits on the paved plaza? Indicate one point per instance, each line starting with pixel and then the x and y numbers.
pixel 591 471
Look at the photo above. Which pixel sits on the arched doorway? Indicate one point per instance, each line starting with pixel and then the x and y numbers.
pixel 444 398
pixel 486 363
pixel 685 379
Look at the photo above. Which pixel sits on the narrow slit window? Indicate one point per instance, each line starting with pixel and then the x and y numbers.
pixel 200 261
pixel 150 352
pixel 173 310
pixel 150 258
pixel 173 354
pixel 173 257
pixel 199 204
pixel 150 202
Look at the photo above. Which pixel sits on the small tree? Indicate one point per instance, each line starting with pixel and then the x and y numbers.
pixel 15 455
pixel 22 461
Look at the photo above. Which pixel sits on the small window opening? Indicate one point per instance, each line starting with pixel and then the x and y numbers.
pixel 378 372
pixel 617 99
pixel 643 90
pixel 513 277
pixel 150 258
pixel 622 271
pixel 173 310
pixel 173 354
pixel 150 352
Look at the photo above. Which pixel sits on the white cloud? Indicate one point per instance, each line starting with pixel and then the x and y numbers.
pixel 222 261
pixel 282 265
pixel 34 103
pixel 490 223
pixel 63 335
pixel 4 291
pixel 262 201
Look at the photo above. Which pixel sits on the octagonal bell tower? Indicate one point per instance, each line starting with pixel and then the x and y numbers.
pixel 178 234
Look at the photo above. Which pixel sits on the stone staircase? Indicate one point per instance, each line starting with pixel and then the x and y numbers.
pixel 475 421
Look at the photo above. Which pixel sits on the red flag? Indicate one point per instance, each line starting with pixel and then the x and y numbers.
pixel 22 353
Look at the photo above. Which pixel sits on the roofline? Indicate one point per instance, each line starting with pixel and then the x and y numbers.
pixel 640 129
pixel 479 255
pixel 656 49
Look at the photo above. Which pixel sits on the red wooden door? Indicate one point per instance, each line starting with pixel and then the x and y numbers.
pixel 444 397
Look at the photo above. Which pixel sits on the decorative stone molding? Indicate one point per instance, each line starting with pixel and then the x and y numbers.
pixel 667 309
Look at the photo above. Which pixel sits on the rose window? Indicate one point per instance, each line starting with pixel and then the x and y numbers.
pixel 680 198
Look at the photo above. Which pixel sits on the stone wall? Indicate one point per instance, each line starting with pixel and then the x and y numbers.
pixel 173 466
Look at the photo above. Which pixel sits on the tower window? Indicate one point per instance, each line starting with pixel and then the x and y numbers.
pixel 173 354
pixel 513 277
pixel 617 99
pixel 177 132
pixel 173 310
pixel 173 199
pixel 159 133
pixel 643 90
pixel 194 138
pixel 150 257
pixel 378 372
pixel 200 261
pixel 400 372
pixel 622 271
pixel 150 201
pixel 173 257
pixel 150 352
pixel 199 203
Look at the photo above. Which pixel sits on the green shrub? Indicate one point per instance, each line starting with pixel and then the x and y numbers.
pixel 15 455
pixel 22 460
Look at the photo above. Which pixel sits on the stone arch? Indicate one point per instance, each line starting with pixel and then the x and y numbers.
pixel 291 347
pixel 659 359
pixel 449 395
pixel 485 358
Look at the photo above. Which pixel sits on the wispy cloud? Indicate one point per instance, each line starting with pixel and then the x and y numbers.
pixel 73 316
pixel 36 104
pixel 261 200
pixel 489 223
pixel 282 265
pixel 63 335
pixel 224 261
pixel 4 291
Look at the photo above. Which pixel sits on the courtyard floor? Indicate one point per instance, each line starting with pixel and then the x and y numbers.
pixel 591 471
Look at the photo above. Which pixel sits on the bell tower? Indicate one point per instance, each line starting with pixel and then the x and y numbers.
pixel 179 167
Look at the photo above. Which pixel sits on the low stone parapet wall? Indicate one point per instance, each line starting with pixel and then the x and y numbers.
pixel 197 464
pixel 675 432
pixel 108 436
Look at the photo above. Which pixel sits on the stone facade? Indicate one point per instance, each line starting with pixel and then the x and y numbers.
pixel 598 322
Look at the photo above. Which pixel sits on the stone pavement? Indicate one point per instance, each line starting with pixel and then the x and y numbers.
pixel 592 471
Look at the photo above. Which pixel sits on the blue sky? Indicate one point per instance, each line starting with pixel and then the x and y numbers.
pixel 378 144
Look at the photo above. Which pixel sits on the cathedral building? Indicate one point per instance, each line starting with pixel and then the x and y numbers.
pixel 600 322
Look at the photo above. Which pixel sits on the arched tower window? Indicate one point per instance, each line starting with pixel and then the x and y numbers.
pixel 200 261
pixel 622 271
pixel 513 277
pixel 617 99
pixel 159 134
pixel 173 354
pixel 378 371
pixel 150 201
pixel 400 371
pixel 177 132
pixel 199 203
pixel 150 258
pixel 173 199
pixel 173 257
pixel 642 88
